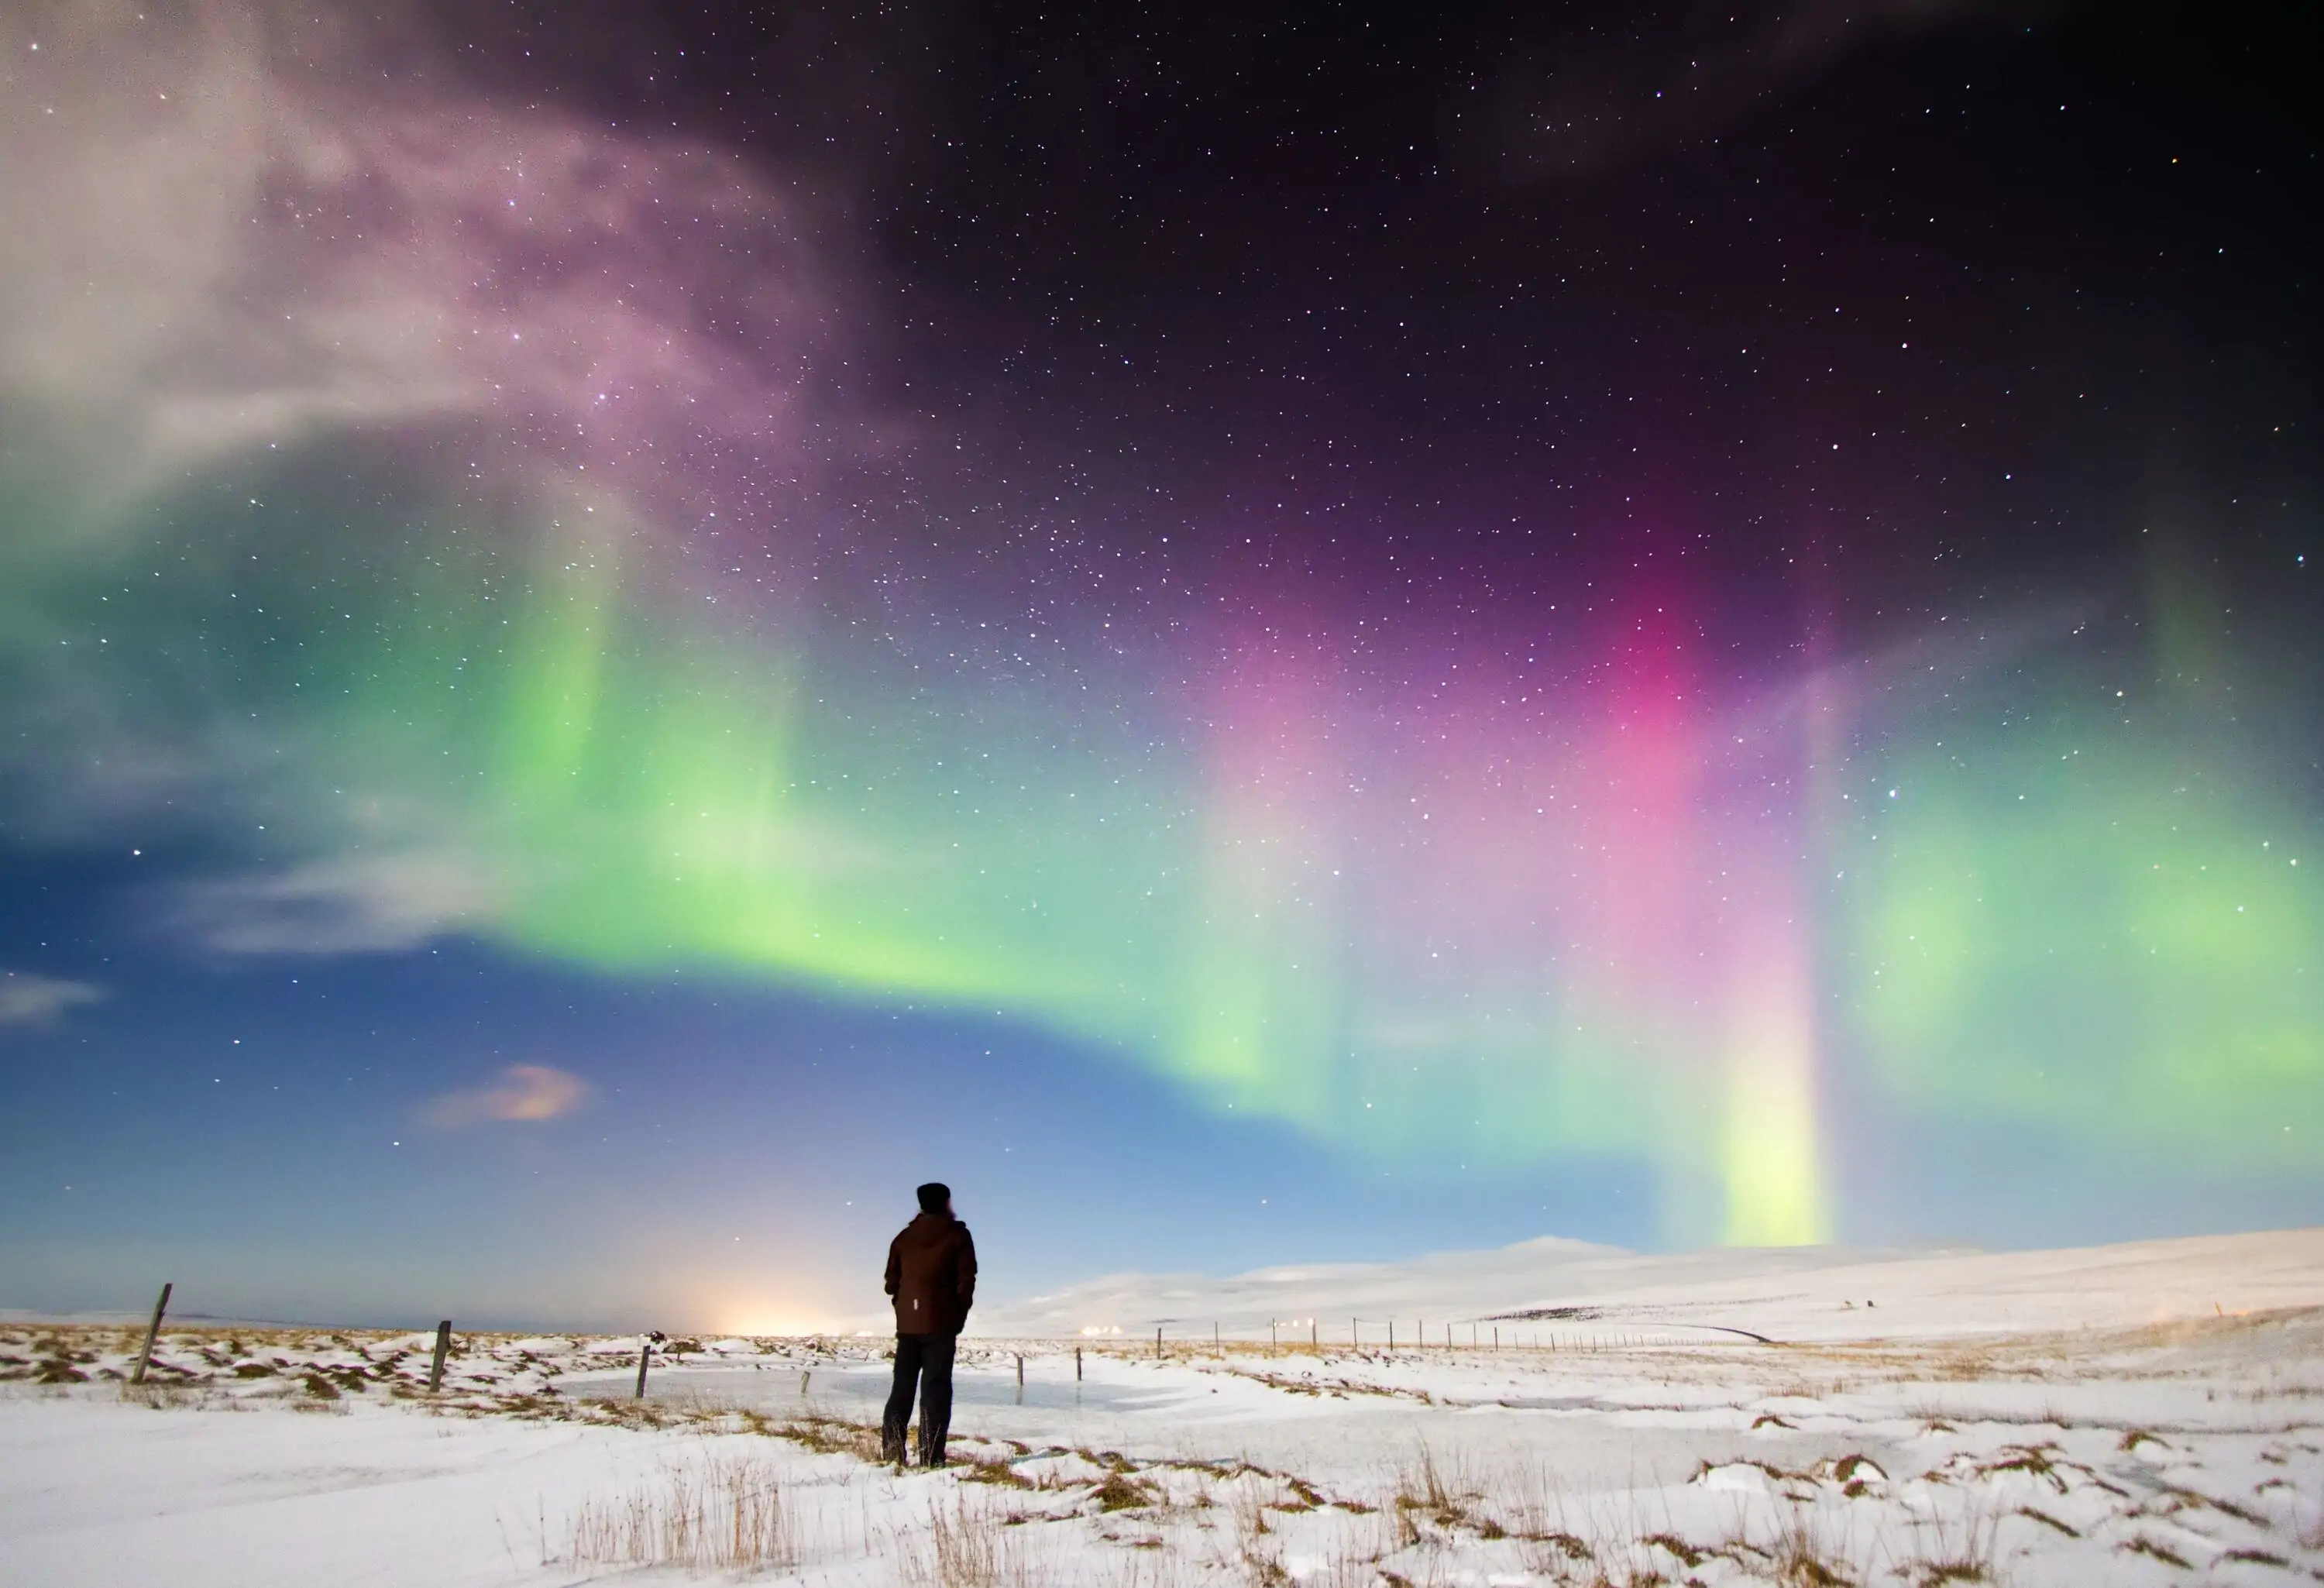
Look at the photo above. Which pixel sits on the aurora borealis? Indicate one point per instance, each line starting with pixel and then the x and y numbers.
pixel 1677 659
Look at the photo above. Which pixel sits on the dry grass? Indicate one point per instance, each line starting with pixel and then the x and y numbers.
pixel 1257 1548
pixel 2156 1549
pixel 1154 1523
pixel 2034 1461
pixel 1547 1540
pixel 2258 1558
pixel 2033 1513
pixel 970 1545
pixel 993 1469
pixel 966 1547
pixel 1578 1543
pixel 173 1396
pixel 1961 1545
pixel 1248 1505
pixel 1963 1366
pixel 828 1436
pixel 1805 1549
pixel 1121 1493
pixel 1426 1489
pixel 715 1514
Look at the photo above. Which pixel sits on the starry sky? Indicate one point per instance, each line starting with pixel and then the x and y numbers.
pixel 1255 633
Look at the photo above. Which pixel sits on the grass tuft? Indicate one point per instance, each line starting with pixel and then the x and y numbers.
pixel 829 1435
pixel 1119 1492
pixel 720 1514
pixel 2047 1520
pixel 2156 1549
pixel 1802 1558
pixel 996 1472
pixel 969 1547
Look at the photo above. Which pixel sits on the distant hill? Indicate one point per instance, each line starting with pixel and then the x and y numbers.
pixel 1795 1293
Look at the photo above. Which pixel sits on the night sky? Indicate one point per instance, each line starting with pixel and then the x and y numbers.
pixel 1259 634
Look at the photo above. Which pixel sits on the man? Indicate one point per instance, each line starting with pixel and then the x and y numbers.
pixel 932 1275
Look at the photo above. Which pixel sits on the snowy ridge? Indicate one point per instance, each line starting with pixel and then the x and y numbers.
pixel 1802 1293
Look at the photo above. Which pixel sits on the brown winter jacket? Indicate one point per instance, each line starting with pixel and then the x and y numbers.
pixel 932 1275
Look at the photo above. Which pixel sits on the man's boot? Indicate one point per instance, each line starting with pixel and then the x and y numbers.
pixel 932 1451
pixel 892 1446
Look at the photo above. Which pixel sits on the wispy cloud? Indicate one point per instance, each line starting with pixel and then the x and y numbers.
pixel 524 1091
pixel 356 905
pixel 29 1000
pixel 480 264
pixel 225 232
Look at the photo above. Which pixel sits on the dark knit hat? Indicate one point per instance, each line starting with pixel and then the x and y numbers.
pixel 934 1196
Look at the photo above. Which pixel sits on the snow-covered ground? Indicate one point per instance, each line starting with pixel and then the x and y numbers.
pixel 1793 1294
pixel 2148 1413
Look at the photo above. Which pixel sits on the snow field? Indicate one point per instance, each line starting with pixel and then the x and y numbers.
pixel 2190 1452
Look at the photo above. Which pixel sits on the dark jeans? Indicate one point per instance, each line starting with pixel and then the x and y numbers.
pixel 926 1359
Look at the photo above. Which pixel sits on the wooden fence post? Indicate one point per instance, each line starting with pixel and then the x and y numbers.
pixel 1157 1342
pixel 152 1331
pixel 645 1353
pixel 1021 1370
pixel 435 1362
pixel 1077 1364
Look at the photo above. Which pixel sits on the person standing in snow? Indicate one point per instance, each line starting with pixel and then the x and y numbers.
pixel 932 1276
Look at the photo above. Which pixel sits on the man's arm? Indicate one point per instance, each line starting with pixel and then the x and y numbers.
pixel 965 1274
pixel 895 1266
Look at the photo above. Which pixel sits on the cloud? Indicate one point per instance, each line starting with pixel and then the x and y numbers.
pixel 221 235
pixel 524 1091
pixel 362 904
pixel 29 1000
pixel 229 236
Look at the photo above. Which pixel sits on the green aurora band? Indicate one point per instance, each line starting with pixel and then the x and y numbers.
pixel 362 443
pixel 2083 913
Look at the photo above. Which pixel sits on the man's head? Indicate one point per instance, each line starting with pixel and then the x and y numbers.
pixel 936 1196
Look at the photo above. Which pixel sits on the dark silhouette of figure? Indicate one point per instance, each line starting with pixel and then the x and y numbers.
pixel 932 1276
